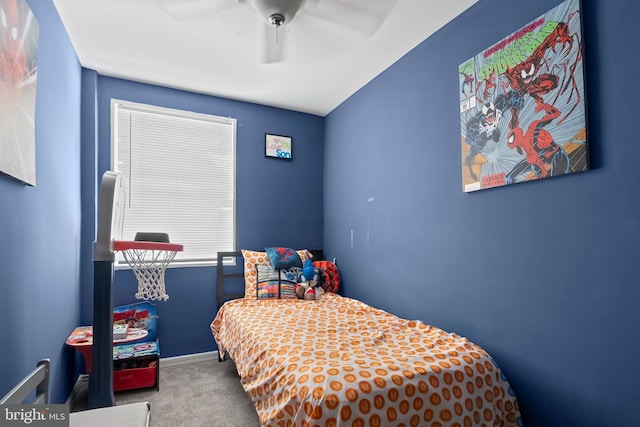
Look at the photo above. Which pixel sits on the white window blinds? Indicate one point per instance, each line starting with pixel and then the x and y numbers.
pixel 179 172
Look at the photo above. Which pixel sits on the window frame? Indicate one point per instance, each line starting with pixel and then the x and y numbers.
pixel 120 263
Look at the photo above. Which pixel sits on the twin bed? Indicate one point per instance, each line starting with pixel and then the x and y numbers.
pixel 338 362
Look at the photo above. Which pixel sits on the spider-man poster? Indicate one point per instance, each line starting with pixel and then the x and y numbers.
pixel 522 104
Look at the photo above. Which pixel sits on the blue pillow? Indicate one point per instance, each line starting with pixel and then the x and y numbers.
pixel 283 258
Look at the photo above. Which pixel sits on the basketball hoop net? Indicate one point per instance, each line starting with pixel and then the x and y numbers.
pixel 148 260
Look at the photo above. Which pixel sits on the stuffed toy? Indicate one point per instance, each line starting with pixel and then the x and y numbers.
pixel 309 287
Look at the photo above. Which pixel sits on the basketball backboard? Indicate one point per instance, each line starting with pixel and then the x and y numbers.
pixel 111 204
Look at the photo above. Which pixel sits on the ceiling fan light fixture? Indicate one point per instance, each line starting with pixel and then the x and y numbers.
pixel 276 12
pixel 276 20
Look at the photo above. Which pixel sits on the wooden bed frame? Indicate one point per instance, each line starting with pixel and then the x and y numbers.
pixel 37 380
pixel 129 415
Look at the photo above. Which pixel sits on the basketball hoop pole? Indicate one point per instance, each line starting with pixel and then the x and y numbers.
pixel 101 377
pixel 110 209
pixel 148 270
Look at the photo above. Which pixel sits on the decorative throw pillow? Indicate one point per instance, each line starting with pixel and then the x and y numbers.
pixel 288 280
pixel 268 282
pixel 277 284
pixel 252 259
pixel 283 257
pixel 330 275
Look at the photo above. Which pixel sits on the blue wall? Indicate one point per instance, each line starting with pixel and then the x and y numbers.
pixel 46 283
pixel 40 231
pixel 540 274
pixel 543 275
pixel 279 202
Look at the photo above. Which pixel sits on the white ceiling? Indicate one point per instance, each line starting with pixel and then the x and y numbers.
pixel 216 52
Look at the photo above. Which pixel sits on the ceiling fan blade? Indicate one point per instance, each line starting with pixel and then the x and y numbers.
pixel 273 43
pixel 361 16
pixel 190 9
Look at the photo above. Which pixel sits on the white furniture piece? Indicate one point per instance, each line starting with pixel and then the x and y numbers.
pixel 129 415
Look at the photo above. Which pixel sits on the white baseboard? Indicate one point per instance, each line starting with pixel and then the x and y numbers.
pixel 168 362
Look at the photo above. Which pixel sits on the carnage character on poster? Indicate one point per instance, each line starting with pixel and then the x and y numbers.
pixel 522 104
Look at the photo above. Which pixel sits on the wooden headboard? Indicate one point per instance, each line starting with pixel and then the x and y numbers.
pixel 231 276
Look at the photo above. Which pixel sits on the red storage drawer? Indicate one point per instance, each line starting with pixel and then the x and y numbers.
pixel 126 379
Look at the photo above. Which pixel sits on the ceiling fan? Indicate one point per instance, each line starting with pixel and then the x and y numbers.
pixel 328 18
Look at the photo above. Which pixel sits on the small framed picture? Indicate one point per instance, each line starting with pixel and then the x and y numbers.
pixel 278 146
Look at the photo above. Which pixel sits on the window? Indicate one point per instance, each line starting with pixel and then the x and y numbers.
pixel 178 169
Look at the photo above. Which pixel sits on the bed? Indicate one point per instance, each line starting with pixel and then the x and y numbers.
pixel 338 362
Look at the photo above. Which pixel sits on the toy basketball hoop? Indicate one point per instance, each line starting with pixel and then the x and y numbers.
pixel 149 260
pixel 148 255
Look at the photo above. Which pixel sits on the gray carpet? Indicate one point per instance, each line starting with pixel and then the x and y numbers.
pixel 204 393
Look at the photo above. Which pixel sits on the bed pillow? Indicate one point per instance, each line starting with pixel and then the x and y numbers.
pixel 330 275
pixel 277 284
pixel 283 257
pixel 252 259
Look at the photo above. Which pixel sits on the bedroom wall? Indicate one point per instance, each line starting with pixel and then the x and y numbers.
pixel 278 202
pixel 543 275
pixel 40 226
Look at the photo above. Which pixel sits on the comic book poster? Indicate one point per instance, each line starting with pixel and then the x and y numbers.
pixel 522 104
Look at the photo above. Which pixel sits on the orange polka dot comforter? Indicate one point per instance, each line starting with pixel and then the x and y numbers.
pixel 339 362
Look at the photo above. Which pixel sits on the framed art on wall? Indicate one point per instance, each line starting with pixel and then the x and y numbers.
pixel 18 76
pixel 522 104
pixel 278 146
